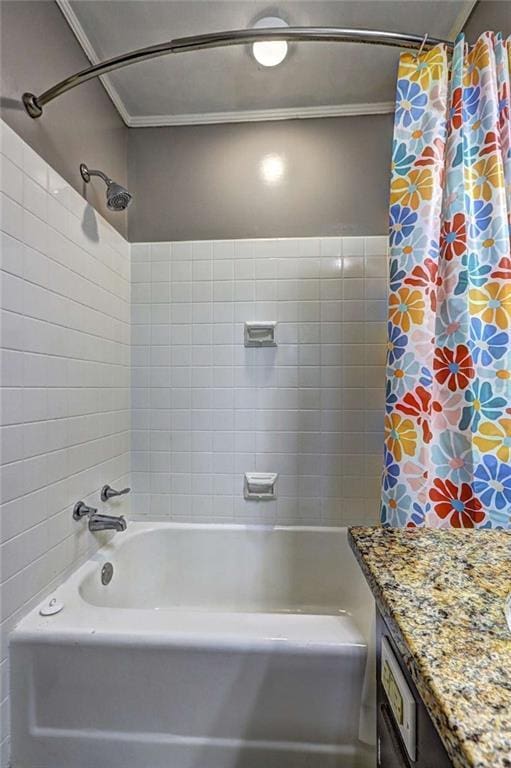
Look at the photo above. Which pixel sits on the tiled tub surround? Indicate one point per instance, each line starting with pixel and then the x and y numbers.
pixel 65 356
pixel 206 409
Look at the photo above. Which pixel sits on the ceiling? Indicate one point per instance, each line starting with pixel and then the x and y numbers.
pixel 227 84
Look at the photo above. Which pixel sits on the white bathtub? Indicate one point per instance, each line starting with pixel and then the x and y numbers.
pixel 212 647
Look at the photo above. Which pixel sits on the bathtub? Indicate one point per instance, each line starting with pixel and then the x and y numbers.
pixel 213 646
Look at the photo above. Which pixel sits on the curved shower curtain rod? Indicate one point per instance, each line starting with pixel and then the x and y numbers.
pixel 34 104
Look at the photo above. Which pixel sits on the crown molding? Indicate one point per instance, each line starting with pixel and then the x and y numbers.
pixel 79 33
pixel 259 115
pixel 208 118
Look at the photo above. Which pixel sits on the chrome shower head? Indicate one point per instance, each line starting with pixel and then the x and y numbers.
pixel 117 197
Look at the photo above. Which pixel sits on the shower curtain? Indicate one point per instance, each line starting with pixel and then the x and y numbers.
pixel 447 454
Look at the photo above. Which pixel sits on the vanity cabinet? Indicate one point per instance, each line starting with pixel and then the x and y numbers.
pixel 427 750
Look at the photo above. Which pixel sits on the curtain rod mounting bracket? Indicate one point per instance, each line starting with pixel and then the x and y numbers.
pixel 32 105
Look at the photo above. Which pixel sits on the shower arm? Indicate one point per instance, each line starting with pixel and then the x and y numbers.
pixel 34 104
pixel 86 173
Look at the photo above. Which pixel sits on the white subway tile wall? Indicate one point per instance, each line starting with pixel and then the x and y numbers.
pixel 64 376
pixel 206 409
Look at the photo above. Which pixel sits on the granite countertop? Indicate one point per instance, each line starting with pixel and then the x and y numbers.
pixel 442 594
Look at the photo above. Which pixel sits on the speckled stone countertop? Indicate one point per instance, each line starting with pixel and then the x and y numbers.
pixel 442 594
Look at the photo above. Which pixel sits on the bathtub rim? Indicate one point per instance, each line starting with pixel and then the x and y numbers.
pixel 83 622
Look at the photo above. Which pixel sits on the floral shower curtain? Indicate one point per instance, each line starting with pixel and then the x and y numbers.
pixel 447 455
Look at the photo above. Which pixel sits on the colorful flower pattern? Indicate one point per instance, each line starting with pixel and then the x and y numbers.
pixel 447 455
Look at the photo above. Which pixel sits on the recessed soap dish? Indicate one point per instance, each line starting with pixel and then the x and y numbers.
pixel 260 333
pixel 260 486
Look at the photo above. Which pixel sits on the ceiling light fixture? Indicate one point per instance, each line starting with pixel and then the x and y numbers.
pixel 271 52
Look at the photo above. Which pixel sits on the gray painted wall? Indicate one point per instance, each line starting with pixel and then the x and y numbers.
pixel 489 14
pixel 335 181
pixel 208 182
pixel 38 49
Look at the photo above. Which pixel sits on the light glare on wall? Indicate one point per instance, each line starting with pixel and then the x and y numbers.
pixel 270 53
pixel 272 169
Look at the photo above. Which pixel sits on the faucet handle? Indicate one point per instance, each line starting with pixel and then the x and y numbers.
pixel 81 510
pixel 107 492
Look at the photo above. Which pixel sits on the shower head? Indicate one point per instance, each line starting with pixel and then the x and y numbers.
pixel 117 197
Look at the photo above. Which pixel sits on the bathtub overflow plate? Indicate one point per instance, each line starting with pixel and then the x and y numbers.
pixel 106 573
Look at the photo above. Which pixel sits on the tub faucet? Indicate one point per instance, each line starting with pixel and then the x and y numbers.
pixel 98 521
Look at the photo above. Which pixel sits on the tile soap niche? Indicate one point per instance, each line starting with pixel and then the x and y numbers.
pixel 260 333
pixel 260 486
